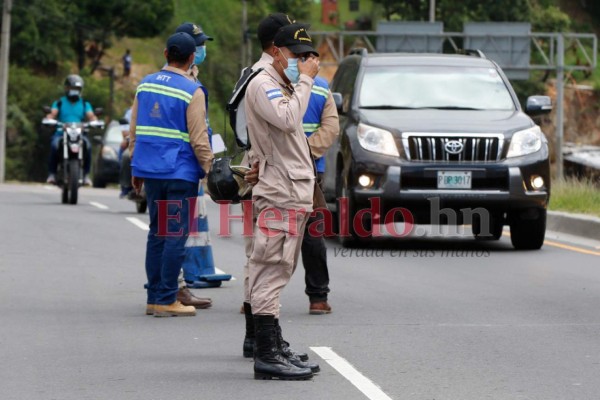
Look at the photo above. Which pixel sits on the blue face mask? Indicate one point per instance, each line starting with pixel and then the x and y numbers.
pixel 200 54
pixel 292 70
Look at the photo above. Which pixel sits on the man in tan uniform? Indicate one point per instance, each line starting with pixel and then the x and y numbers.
pixel 316 276
pixel 283 196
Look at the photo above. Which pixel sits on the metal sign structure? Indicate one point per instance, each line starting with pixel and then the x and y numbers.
pixel 554 51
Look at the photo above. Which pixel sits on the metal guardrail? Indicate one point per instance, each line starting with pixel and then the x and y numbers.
pixel 544 56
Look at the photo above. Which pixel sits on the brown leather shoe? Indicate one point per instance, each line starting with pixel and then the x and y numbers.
pixel 150 309
pixel 319 308
pixel 175 309
pixel 185 296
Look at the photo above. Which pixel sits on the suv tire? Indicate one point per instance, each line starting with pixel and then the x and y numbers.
pixel 528 228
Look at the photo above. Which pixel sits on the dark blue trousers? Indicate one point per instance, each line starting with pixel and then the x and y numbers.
pixel 169 229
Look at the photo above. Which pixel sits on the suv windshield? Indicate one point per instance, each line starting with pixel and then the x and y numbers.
pixel 442 87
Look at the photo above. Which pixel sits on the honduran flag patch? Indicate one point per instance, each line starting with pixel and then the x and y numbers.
pixel 274 93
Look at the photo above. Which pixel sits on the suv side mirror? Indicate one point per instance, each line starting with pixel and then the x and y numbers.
pixel 537 105
pixel 337 98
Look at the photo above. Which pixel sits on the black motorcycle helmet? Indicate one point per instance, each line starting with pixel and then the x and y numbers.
pixel 73 87
pixel 226 182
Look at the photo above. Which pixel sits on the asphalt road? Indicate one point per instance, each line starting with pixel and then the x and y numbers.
pixel 414 319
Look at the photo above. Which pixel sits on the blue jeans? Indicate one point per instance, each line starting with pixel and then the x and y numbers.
pixel 165 253
pixel 53 161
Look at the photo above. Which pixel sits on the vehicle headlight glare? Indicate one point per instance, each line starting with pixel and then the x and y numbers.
pixel 526 142
pixel 537 182
pixel 377 140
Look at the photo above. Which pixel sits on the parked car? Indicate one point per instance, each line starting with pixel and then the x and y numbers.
pixel 106 166
pixel 443 136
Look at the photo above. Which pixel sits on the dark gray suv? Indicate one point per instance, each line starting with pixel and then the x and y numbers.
pixel 436 139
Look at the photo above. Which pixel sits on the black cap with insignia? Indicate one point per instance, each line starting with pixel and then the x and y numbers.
pixel 296 39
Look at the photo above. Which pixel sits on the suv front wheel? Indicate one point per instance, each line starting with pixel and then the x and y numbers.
pixel 527 228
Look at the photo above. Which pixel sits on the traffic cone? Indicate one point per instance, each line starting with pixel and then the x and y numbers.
pixel 198 265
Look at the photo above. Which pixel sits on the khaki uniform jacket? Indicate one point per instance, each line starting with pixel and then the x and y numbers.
pixel 274 112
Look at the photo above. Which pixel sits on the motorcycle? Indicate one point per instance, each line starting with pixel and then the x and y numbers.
pixel 70 160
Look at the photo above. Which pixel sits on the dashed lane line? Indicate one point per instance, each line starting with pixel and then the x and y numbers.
pixel 139 223
pixel 361 382
pixel 98 205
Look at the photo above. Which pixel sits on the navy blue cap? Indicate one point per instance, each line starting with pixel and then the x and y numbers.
pixel 268 27
pixel 181 43
pixel 194 31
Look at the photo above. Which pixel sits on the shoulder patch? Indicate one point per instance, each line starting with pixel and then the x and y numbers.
pixel 274 93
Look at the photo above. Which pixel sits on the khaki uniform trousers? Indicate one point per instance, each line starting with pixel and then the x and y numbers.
pixel 273 260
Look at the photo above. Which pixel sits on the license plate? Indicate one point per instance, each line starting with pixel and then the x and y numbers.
pixel 454 180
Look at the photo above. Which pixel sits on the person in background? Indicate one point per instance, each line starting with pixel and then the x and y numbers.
pixel 169 166
pixel 127 60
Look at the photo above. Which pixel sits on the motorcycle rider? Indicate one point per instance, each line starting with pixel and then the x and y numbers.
pixel 70 108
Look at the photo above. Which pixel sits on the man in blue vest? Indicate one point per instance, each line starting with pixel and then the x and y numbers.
pixel 321 126
pixel 170 153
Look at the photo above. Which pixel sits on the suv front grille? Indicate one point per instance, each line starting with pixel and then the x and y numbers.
pixel 453 147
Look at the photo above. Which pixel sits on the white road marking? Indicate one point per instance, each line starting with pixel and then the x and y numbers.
pixel 99 205
pixel 362 383
pixel 139 223
pixel 220 271
pixel 48 187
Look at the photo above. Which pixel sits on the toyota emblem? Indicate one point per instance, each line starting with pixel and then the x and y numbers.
pixel 454 147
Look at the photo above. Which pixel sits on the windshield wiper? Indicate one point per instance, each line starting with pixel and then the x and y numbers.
pixel 386 107
pixel 454 108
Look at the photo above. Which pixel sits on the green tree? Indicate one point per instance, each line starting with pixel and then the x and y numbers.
pixel 48 31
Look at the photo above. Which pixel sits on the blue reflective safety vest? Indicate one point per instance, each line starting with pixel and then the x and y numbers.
pixel 312 118
pixel 163 149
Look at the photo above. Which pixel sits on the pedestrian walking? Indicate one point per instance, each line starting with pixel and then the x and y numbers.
pixel 275 102
pixel 127 60
pixel 170 153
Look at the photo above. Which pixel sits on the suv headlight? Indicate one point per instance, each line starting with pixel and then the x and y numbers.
pixel 526 142
pixel 377 140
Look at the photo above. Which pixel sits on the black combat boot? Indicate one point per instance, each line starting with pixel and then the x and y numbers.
pixel 268 361
pixel 293 357
pixel 249 338
pixel 285 346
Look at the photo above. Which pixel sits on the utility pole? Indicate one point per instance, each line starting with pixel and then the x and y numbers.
pixel 244 48
pixel 560 86
pixel 4 47
pixel 431 10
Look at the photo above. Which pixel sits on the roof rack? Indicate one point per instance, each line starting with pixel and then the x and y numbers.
pixel 358 51
pixel 472 52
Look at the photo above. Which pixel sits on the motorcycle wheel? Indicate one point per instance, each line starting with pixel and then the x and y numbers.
pixel 64 172
pixel 141 206
pixel 65 194
pixel 73 183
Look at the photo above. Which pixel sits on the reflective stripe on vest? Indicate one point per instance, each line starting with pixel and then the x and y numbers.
pixel 164 90
pixel 162 132
pixel 312 118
